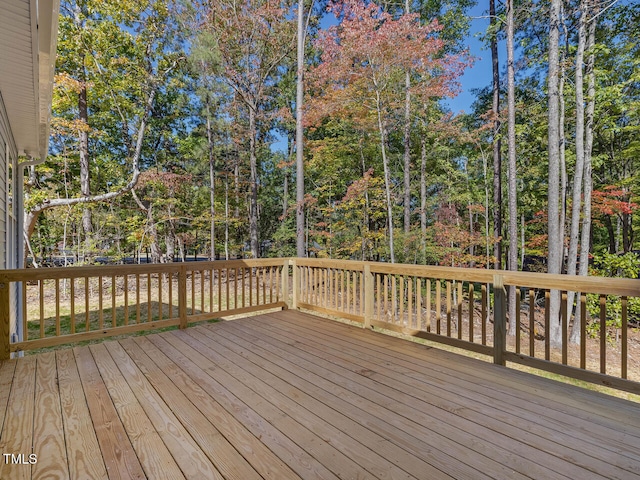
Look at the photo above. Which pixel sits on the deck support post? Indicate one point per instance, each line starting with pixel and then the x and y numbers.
pixel 296 285
pixel 368 295
pixel 182 296
pixel 499 320
pixel 5 319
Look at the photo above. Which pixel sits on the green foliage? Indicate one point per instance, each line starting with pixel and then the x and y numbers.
pixel 612 265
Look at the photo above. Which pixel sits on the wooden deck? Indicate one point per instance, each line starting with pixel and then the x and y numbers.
pixel 289 395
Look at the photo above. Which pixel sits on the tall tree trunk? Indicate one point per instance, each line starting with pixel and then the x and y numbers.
pixel 554 264
pixel 407 142
pixel 513 200
pixel 253 181
pixel 212 186
pixel 562 129
pixel 585 240
pixel 497 160
pixel 85 187
pixel 423 197
pixel 226 217
pixel 387 177
pixel 576 200
pixel 300 244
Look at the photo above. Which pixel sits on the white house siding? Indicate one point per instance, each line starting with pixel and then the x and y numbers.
pixel 9 238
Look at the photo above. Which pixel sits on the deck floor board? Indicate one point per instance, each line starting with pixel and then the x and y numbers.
pixel 289 395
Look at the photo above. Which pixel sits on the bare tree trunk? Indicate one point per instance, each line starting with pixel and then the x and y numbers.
pixel 253 181
pixel 554 246
pixel 513 200
pixel 387 177
pixel 226 217
pixel 563 163
pixel 212 186
pixel 85 187
pixel 407 141
pixel 423 196
pixel 585 240
pixel 300 243
pixel 497 161
pixel 576 200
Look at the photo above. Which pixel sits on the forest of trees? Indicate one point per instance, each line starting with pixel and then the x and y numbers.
pixel 165 113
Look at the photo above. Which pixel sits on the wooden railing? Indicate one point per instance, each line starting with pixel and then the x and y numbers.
pixel 64 305
pixel 465 308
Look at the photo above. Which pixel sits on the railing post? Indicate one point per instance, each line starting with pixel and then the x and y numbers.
pixel 5 319
pixel 368 295
pixel 296 284
pixel 182 296
pixel 499 320
pixel 285 283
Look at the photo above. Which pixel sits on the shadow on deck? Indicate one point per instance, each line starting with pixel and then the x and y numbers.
pixel 290 395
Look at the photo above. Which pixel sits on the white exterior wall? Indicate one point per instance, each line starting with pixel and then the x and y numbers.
pixel 10 214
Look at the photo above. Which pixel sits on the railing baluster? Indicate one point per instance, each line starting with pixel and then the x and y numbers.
pixel 624 325
pixel 148 297
pixel 409 301
pixel 517 319
pixel 126 300
pixel 138 288
pixel 193 292
pixel 114 291
pixel 485 312
pixel 460 310
pixel 72 313
pixel 58 307
pixel 448 308
pixel 438 306
pixel 201 273
pixel 418 303
pixel 547 322
pixel 41 288
pixel 428 303
pixel 532 322
pixel 564 325
pixel 471 310
pixel 583 330
pixel 603 333
pixel 170 288
pixel 211 290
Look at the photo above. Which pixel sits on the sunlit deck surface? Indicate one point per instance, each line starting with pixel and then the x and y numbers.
pixel 290 395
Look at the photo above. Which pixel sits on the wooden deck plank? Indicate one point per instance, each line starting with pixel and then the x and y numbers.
pixel 253 450
pixel 48 430
pixel 448 451
pixel 395 462
pixel 17 433
pixel 288 395
pixel 591 456
pixel 366 459
pixel 230 463
pixel 81 442
pixel 119 456
pixel 574 431
pixel 483 422
pixel 186 452
pixel 331 457
pixel 299 460
pixel 467 374
pixel 391 442
pixel 155 458
pixel 7 369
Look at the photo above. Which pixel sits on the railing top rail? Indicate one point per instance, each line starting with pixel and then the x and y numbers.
pixel 27 274
pixel 597 285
